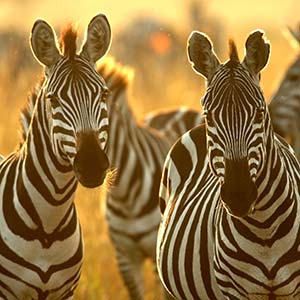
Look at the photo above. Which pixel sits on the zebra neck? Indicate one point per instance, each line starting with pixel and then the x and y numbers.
pixel 137 154
pixel 47 185
pixel 123 130
pixel 276 203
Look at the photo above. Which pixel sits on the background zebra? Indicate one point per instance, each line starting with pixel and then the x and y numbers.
pixel 137 152
pixel 40 237
pixel 285 103
pixel 173 123
pixel 230 225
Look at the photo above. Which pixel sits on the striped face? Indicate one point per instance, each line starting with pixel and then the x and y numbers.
pixel 236 117
pixel 234 109
pixel 74 96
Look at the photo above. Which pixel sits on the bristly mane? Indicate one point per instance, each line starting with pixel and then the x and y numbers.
pixel 233 53
pixel 68 41
pixel 114 73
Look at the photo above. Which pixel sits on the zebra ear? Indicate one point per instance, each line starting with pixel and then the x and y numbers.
pixel 97 40
pixel 257 52
pixel 201 54
pixel 43 43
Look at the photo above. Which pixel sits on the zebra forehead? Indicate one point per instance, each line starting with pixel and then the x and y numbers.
pixel 68 41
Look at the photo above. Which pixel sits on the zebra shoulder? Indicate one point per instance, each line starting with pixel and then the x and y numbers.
pixel 188 151
pixel 193 140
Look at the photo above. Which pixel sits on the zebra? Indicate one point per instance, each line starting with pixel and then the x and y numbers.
pixel 137 152
pixel 285 103
pixel 173 123
pixel 230 209
pixel 41 245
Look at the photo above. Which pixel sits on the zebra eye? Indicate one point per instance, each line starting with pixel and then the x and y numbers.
pixel 259 115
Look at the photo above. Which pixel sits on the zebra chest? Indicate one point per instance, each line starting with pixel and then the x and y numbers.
pixel 33 271
pixel 248 269
pixel 41 278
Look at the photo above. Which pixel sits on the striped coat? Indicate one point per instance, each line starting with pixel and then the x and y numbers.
pixel 285 103
pixel 41 245
pixel 230 224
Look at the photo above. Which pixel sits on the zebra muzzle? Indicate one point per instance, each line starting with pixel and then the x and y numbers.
pixel 90 163
pixel 238 192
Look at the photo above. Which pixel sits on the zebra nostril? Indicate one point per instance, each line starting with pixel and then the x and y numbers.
pixel 90 166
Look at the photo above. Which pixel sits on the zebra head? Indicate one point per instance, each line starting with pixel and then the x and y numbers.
pixel 74 97
pixel 236 117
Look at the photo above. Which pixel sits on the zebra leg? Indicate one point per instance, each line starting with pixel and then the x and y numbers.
pixel 148 244
pixel 166 295
pixel 130 266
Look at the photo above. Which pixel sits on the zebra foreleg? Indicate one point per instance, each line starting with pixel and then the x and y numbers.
pixel 166 294
pixel 130 266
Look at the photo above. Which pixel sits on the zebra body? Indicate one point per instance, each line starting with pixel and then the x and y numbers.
pixel 173 123
pixel 285 103
pixel 230 223
pixel 41 245
pixel 137 152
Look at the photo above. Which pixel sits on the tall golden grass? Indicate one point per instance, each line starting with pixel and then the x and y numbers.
pixel 100 278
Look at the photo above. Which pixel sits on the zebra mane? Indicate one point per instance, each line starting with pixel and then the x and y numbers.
pixel 68 41
pixel 233 53
pixel 115 74
pixel 27 111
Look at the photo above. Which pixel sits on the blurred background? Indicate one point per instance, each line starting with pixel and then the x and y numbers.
pixel 150 37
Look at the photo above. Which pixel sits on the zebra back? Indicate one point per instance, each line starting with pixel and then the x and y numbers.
pixel 173 123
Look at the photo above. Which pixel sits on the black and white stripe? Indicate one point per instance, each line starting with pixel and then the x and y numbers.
pixel 137 152
pixel 285 103
pixel 175 122
pixel 41 246
pixel 230 191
